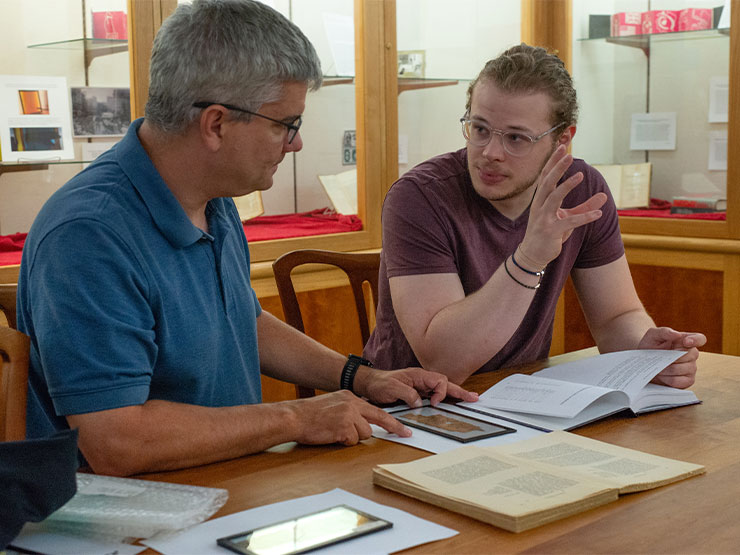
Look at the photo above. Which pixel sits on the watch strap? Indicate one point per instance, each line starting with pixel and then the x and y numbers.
pixel 350 369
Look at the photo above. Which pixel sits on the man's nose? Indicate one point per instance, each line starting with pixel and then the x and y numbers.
pixel 494 150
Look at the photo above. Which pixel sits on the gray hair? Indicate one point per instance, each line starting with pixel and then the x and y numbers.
pixel 232 51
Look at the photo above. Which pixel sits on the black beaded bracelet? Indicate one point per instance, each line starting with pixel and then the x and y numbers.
pixel 519 282
pixel 350 369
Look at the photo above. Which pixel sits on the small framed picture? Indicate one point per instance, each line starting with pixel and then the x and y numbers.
pixel 411 63
pixel 100 111
pixel 450 424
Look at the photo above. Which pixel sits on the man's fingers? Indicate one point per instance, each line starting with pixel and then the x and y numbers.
pixel 551 173
pixel 680 366
pixel 594 203
pixel 679 382
pixel 381 418
pixel 694 340
pixel 454 390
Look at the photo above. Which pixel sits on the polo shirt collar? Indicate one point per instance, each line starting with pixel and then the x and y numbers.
pixel 165 210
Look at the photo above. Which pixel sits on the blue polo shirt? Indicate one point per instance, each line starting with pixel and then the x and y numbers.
pixel 125 300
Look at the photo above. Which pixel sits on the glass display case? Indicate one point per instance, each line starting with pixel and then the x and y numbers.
pixel 665 94
pixel 343 125
pixel 656 98
pixel 654 91
pixel 80 42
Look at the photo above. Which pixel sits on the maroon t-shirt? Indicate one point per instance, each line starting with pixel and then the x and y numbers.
pixel 435 222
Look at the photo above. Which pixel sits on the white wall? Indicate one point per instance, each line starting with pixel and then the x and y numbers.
pixel 459 37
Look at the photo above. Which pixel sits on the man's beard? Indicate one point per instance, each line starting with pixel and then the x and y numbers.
pixel 519 189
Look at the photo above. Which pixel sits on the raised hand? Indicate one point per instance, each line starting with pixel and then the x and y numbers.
pixel 550 225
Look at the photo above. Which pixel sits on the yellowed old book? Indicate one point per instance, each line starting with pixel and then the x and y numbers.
pixel 249 206
pixel 526 484
pixel 628 183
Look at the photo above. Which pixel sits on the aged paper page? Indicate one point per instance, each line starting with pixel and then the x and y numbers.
pixel 503 485
pixel 622 468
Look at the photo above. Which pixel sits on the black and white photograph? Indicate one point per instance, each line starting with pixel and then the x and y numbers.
pixel 450 424
pixel 411 63
pixel 100 111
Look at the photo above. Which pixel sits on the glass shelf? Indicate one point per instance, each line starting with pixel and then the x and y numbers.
pixel 30 165
pixel 79 44
pixel 414 83
pixel 643 41
pixel 92 47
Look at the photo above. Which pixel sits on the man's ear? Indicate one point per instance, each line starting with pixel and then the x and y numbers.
pixel 212 126
pixel 567 136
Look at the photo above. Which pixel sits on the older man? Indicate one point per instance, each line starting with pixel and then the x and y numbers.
pixel 134 287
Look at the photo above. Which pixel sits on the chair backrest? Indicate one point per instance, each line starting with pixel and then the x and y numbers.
pixel 7 302
pixel 14 348
pixel 360 268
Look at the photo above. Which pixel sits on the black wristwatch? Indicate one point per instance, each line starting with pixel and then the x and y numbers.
pixel 350 369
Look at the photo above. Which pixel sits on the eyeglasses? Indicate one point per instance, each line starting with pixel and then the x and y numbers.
pixel 514 142
pixel 292 127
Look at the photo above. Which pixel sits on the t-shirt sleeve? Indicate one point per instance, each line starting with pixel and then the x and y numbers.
pixel 416 237
pixel 603 239
pixel 92 320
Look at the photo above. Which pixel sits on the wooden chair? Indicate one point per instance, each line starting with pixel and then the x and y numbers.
pixel 7 302
pixel 360 268
pixel 14 348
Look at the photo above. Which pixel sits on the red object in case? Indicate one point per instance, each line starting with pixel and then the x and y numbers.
pixel 110 25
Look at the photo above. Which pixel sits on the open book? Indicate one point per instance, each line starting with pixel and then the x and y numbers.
pixel 572 394
pixel 526 484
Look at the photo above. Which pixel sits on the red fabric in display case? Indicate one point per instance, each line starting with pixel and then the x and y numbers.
pixel 262 228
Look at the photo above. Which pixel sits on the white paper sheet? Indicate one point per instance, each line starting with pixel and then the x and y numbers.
pixel 717 151
pixel 60 544
pixel 719 99
pixel 90 151
pixel 407 531
pixel 427 441
pixel 342 190
pixel 724 18
pixel 35 119
pixel 653 131
pixel 340 31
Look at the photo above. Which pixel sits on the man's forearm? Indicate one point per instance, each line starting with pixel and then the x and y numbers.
pixel 465 335
pixel 291 356
pixel 623 332
pixel 161 435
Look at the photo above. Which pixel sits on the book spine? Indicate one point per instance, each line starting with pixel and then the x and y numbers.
pixel 691 210
pixel 711 203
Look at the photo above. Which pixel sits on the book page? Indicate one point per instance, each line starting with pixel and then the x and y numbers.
pixel 503 485
pixel 545 396
pixel 249 206
pixel 627 371
pixel 342 191
pixel 625 469
pixel 657 397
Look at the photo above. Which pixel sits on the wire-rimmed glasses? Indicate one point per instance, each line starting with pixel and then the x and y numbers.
pixel 292 127
pixel 515 143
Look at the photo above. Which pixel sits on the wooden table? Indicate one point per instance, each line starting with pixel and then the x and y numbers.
pixel 699 515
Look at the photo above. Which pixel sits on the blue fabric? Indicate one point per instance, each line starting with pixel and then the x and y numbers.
pixel 125 300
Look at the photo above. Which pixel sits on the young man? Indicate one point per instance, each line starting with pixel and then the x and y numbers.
pixel 478 243
pixel 134 287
